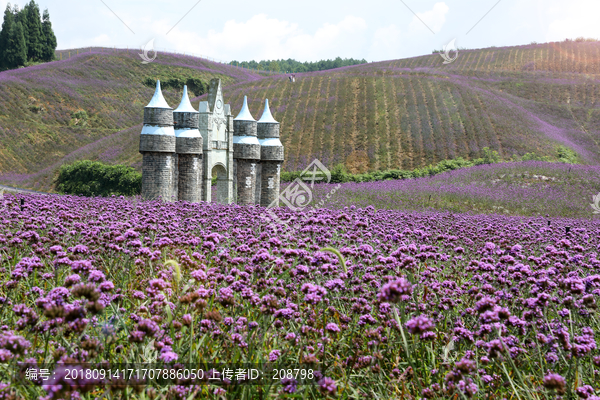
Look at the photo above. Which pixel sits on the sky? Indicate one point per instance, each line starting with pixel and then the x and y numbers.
pixel 312 30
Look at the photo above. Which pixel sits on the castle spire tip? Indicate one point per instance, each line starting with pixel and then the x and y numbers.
pixel 158 101
pixel 267 117
pixel 244 114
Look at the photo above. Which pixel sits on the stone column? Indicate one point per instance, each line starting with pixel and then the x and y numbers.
pixel 157 146
pixel 246 153
pixel 271 157
pixel 189 150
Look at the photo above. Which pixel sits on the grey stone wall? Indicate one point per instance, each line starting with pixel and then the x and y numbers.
pixel 246 181
pixel 270 182
pixel 271 159
pixel 157 175
pixel 158 116
pixel 267 130
pixel 229 122
pixel 271 153
pixel 258 183
pixel 175 178
pixel 185 145
pixel 246 151
pixel 157 143
pixel 244 128
pixel 190 177
pixel 224 189
pixel 186 120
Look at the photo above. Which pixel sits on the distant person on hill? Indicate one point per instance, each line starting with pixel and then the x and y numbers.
pixel 290 78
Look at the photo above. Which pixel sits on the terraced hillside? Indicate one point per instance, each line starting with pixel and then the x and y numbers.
pixel 393 114
pixel 412 112
pixel 41 108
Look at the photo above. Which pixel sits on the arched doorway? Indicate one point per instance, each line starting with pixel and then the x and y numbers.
pixel 223 192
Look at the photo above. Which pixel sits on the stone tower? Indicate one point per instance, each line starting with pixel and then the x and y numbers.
pixel 216 128
pixel 271 157
pixel 246 154
pixel 157 145
pixel 188 145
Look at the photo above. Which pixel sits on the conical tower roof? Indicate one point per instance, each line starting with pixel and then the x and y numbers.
pixel 267 117
pixel 244 114
pixel 158 101
pixel 185 105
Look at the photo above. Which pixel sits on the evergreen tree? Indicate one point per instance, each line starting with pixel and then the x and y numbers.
pixel 32 25
pixel 9 20
pixel 49 45
pixel 16 49
pixel 21 16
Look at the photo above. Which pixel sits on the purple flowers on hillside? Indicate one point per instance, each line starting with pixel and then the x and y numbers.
pixel 456 298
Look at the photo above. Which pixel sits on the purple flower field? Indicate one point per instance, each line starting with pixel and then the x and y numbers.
pixel 529 188
pixel 374 303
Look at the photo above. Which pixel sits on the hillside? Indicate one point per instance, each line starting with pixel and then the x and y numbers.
pixel 529 188
pixel 392 114
pixel 412 112
pixel 39 127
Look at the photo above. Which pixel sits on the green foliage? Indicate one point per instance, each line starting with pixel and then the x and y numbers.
pixel 563 155
pixel 532 157
pixel 79 118
pixel 290 65
pixel 339 174
pixel 490 156
pixel 174 83
pixel 7 24
pixel 566 155
pixel 194 84
pixel 197 86
pixel 15 53
pixel 32 24
pixel 25 38
pixel 49 43
pixel 89 178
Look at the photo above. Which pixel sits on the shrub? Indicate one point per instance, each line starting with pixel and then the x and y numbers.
pixel 197 86
pixel 79 118
pixel 339 174
pixel 566 155
pixel 90 178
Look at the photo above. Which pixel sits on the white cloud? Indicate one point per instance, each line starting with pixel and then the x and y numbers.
pixel 434 18
pixel 102 40
pixel 391 42
pixel 580 18
pixel 386 41
pixel 262 37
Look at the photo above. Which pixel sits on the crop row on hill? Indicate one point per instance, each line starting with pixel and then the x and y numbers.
pixel 569 57
pixel 38 126
pixel 382 122
pixel 400 114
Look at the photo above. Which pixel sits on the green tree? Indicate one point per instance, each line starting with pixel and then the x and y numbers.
pixel 49 44
pixel 15 54
pixel 89 178
pixel 274 66
pixel 196 86
pixel 490 156
pixel 7 24
pixel 32 26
